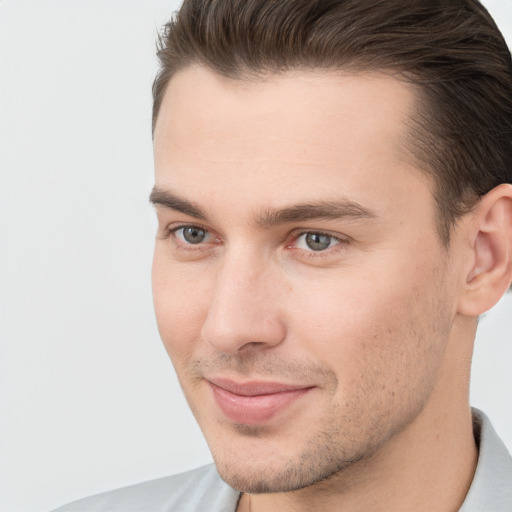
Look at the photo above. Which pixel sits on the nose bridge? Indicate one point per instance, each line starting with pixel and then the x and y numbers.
pixel 244 308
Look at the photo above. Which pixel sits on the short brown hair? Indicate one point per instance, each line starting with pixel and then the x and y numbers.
pixel 452 50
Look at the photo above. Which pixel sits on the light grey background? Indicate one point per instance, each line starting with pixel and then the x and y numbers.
pixel 88 399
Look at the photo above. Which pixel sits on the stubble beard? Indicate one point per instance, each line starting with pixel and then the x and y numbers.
pixel 337 447
pixel 326 456
pixel 352 430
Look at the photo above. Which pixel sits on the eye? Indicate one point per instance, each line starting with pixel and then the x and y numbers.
pixel 191 234
pixel 316 241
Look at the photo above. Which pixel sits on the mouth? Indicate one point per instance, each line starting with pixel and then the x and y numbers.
pixel 254 402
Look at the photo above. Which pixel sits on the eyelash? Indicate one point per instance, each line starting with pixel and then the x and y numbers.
pixel 183 246
pixel 170 233
pixel 340 244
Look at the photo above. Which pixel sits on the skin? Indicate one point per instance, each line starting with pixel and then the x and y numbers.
pixel 378 326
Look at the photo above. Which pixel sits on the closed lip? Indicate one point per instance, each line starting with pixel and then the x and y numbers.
pixel 254 388
pixel 254 402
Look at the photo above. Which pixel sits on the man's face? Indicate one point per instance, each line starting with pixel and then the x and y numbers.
pixel 300 286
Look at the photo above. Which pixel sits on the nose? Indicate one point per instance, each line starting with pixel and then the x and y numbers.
pixel 245 309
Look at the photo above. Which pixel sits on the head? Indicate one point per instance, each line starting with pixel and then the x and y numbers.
pixel 330 176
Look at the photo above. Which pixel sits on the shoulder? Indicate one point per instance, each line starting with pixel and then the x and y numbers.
pixel 196 490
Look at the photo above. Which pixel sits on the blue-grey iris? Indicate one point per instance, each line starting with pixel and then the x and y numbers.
pixel 318 241
pixel 194 235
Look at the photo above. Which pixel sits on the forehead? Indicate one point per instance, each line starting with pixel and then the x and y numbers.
pixel 360 103
pixel 302 133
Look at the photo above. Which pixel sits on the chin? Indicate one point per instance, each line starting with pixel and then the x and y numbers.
pixel 284 473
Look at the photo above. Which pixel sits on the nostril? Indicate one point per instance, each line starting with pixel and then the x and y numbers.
pixel 251 346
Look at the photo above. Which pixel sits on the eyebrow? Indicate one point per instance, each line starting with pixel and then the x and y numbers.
pixel 341 208
pixel 316 210
pixel 159 197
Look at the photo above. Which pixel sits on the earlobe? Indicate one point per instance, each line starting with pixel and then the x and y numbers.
pixel 491 248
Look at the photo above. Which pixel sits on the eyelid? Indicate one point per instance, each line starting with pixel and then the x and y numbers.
pixel 183 249
pixel 306 231
pixel 169 230
pixel 172 227
pixel 174 231
pixel 342 242
pixel 330 237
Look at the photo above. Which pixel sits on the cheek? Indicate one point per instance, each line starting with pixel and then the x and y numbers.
pixel 376 345
pixel 343 325
pixel 180 298
pixel 370 332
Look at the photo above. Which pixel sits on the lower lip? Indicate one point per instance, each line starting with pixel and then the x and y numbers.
pixel 254 410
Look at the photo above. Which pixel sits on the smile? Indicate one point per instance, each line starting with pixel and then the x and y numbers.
pixel 253 403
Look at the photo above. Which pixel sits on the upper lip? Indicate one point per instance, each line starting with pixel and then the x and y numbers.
pixel 254 387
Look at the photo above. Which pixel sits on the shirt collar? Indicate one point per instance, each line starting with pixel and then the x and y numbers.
pixel 491 489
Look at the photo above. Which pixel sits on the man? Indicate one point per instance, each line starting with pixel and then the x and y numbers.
pixel 333 190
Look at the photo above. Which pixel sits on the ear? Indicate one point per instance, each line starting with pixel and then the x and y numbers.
pixel 490 252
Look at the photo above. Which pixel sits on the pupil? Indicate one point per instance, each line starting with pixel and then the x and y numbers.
pixel 194 235
pixel 317 241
